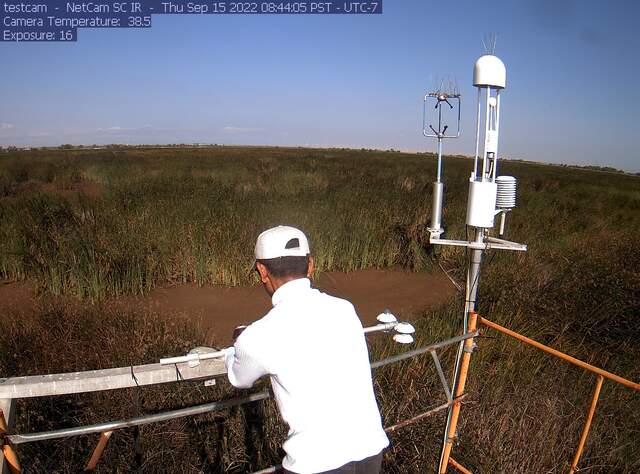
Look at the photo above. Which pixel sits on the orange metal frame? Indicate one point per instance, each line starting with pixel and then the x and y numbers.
pixel 9 453
pixel 601 375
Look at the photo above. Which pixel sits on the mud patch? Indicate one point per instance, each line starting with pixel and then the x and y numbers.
pixel 218 310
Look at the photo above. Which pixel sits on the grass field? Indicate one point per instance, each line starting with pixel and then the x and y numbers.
pixel 100 223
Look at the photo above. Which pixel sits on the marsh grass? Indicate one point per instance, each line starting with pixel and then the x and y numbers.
pixel 155 217
pixel 170 217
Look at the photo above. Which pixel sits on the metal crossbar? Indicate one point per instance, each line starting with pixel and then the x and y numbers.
pixel 140 420
pixel 422 350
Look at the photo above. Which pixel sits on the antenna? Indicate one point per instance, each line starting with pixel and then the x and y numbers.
pixel 489 195
pixel 489 42
pixel 443 99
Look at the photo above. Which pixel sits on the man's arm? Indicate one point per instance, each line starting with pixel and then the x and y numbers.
pixel 243 365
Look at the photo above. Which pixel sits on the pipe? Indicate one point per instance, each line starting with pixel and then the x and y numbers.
pixel 473 280
pixel 97 452
pixel 591 368
pixel 9 455
pixel 587 424
pixel 490 243
pixel 497 128
pixel 475 160
pixel 486 131
pixel 381 327
pixel 459 391
pixel 193 357
pixel 459 466
pixel 221 353
pixel 443 379
pixel 422 350
pixel 141 420
pixel 439 170
pixel 421 416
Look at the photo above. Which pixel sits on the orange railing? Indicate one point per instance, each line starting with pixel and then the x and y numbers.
pixel 601 375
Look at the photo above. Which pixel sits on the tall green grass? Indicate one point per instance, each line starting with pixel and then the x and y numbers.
pixel 174 216
pixel 163 216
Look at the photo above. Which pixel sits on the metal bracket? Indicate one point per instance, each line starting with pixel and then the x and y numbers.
pixel 443 379
pixel 434 234
pixel 490 243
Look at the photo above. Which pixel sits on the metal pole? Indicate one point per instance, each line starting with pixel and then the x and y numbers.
pixel 497 128
pixel 455 408
pixel 459 466
pixel 438 187
pixel 8 458
pixel 587 424
pixel 473 279
pixel 475 160
pixel 141 420
pixel 439 172
pixel 97 452
pixel 486 131
pixel 561 355
pixel 422 350
pixel 421 416
pixel 195 358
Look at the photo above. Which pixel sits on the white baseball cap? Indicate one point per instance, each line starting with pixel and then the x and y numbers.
pixel 281 241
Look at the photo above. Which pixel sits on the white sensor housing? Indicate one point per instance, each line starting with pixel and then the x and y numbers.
pixel 489 71
pixel 481 206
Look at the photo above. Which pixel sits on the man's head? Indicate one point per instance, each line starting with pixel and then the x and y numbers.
pixel 282 254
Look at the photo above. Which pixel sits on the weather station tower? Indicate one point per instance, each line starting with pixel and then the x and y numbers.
pixel 490 197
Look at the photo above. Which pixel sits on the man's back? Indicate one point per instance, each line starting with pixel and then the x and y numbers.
pixel 313 347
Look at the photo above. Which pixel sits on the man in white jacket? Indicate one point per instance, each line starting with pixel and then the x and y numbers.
pixel 313 348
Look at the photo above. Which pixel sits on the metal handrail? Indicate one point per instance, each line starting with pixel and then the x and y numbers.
pixel 169 370
pixel 192 367
pixel 137 421
pixel 204 408
pixel 423 350
pixel 562 355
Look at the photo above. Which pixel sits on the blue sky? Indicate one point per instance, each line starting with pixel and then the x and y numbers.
pixel 355 81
